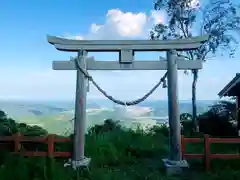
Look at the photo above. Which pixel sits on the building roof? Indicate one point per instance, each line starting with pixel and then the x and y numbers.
pixel 232 88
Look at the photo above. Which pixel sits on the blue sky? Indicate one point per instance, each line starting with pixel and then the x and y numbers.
pixel 26 56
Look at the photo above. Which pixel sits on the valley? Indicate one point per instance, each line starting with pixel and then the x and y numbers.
pixel 57 117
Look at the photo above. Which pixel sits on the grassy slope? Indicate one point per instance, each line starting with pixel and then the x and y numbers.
pixel 116 155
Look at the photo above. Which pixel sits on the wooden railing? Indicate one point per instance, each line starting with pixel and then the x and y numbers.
pixel 50 140
pixel 207 156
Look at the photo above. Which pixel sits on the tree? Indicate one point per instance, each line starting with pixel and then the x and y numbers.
pixel 186 18
pixel 225 109
pixel 186 123
pixel 219 120
pixel 3 115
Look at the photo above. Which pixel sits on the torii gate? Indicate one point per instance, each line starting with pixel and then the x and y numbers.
pixel 126 49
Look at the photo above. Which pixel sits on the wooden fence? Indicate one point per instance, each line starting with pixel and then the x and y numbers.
pixel 50 140
pixel 207 156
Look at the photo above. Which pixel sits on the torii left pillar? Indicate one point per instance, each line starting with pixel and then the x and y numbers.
pixel 78 159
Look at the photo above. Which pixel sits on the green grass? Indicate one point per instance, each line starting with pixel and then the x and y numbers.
pixel 116 154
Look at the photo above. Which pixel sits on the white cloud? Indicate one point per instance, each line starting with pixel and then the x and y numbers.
pixel 95 28
pixel 158 17
pixel 79 37
pixel 119 25
pixel 195 4
pixel 71 36
pixel 127 24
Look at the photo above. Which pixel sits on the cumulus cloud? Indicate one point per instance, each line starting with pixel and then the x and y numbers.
pixel 195 4
pixel 158 17
pixel 71 36
pixel 127 25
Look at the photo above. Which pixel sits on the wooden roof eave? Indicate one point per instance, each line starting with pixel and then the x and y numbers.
pixel 229 86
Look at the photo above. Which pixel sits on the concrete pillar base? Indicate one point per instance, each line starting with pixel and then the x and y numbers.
pixel 175 167
pixel 84 162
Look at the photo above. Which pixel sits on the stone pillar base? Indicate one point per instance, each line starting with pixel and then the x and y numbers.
pixel 84 162
pixel 175 167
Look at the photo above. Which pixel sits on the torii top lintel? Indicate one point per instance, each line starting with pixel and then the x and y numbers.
pixel 63 44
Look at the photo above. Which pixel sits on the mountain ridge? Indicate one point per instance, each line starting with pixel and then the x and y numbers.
pixel 56 116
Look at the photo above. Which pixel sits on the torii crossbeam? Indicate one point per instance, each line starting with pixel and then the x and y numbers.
pixel 91 64
pixel 126 49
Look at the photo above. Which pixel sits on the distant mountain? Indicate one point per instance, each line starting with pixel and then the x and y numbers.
pixel 23 109
pixel 160 108
pixel 56 116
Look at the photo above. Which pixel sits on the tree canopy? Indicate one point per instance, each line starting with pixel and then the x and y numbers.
pixel 8 126
pixel 186 18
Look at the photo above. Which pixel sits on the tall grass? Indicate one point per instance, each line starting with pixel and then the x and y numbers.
pixel 117 153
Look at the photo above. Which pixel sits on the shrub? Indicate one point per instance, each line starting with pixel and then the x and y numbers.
pixel 215 125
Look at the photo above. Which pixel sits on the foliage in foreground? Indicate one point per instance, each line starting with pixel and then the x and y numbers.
pixel 117 153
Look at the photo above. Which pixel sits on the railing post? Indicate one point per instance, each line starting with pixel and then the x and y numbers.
pixel 183 146
pixel 207 153
pixel 51 141
pixel 17 142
